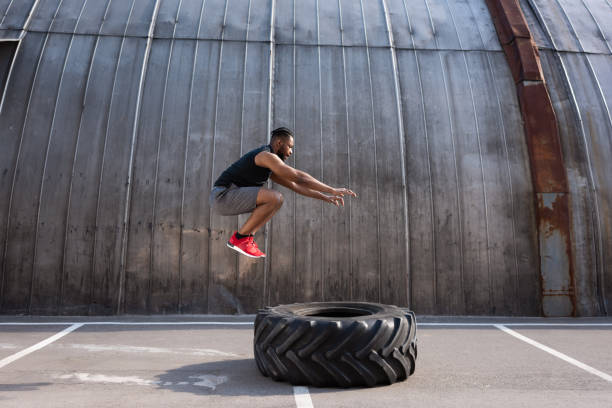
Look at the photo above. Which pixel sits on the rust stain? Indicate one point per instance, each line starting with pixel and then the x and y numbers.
pixel 554 219
pixel 547 166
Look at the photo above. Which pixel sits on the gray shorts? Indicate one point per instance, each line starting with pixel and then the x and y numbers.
pixel 233 200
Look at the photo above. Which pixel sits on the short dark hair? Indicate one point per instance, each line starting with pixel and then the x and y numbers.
pixel 281 132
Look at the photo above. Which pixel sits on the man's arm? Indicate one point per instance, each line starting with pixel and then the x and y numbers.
pixel 336 200
pixel 296 178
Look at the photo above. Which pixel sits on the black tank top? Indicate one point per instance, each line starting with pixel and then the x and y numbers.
pixel 244 172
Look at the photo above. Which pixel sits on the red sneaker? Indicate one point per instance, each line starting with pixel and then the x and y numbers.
pixel 246 246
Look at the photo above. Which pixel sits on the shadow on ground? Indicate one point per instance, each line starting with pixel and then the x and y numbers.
pixel 226 377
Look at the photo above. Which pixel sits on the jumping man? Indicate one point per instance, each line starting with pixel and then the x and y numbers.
pixel 240 189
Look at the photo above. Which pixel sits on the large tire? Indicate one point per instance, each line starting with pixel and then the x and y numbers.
pixel 336 344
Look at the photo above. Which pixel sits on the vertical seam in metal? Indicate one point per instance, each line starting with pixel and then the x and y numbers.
pixel 130 185
pixel 484 183
pixel 74 159
pixel 26 24
pixel 452 134
pixel 159 142
pixel 348 148
pixel 322 296
pixel 96 227
pixel 431 198
pixel 188 133
pixel 603 35
pixel 23 127
pixel 433 26
pixel 294 157
pixel 599 251
pixel 402 140
pixel 42 180
pixel 267 229
pixel 244 74
pixel 212 162
pixel 429 173
pixel 378 243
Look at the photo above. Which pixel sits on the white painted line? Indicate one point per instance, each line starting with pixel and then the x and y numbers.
pixel 555 353
pixel 130 323
pixel 302 397
pixel 521 324
pixel 251 323
pixel 8 360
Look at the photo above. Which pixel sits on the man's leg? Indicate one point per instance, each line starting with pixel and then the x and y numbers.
pixel 268 203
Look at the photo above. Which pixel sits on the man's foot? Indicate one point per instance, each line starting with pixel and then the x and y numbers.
pixel 246 246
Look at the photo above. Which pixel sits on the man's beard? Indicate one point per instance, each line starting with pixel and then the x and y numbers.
pixel 281 156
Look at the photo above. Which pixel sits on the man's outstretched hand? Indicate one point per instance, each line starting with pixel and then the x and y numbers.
pixel 336 198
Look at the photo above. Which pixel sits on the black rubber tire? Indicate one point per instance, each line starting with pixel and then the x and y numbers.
pixel 336 344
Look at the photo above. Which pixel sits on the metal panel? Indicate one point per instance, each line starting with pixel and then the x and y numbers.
pixel 584 26
pixel 449 290
pixel 14 13
pixel 44 15
pixel 485 25
pixel 67 16
pixel 198 182
pixel 306 24
pixel 466 25
pixel 23 212
pixel 260 20
pixel 141 17
pixel 375 23
pixel 167 18
pixel 139 256
pixel 329 22
pixel 227 148
pixel 166 278
pixel 552 17
pixel 400 24
pixel 418 176
pixel 601 11
pixel 116 17
pixel 114 178
pixel 284 22
pixel 307 156
pixel 584 208
pixel 49 247
pixel 597 126
pixel 236 21
pixel 527 275
pixel 213 19
pixel 353 33
pixel 250 278
pixel 19 91
pixel 423 31
pixel 94 13
pixel 188 19
pixel 475 273
pixel 336 172
pixel 445 32
pixel 365 223
pixel 282 288
pixel 87 166
pixel 390 181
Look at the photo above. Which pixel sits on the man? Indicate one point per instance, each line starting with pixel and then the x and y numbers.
pixel 240 189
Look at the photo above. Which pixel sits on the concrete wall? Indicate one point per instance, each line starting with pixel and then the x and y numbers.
pixel 118 116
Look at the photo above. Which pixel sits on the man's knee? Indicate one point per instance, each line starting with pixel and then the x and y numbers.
pixel 278 199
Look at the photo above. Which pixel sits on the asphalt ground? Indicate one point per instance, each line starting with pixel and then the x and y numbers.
pixel 207 361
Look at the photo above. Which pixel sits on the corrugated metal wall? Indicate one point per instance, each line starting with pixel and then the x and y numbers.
pixel 120 114
pixel 574 38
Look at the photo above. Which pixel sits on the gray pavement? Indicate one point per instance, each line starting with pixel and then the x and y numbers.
pixel 207 361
